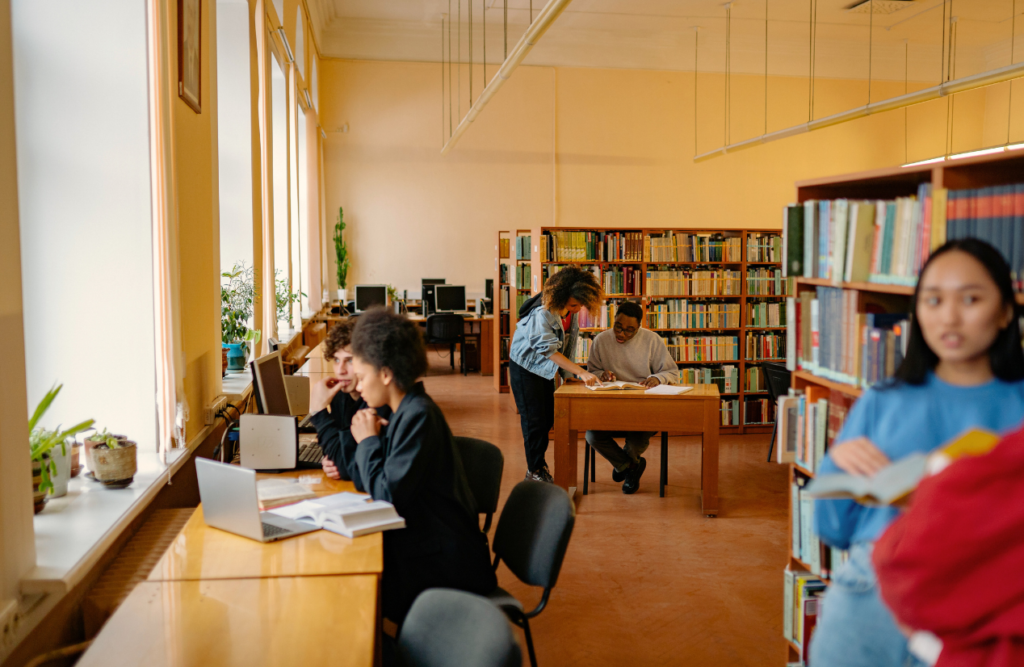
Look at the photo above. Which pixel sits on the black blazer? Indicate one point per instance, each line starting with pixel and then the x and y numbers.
pixel 416 466
pixel 335 437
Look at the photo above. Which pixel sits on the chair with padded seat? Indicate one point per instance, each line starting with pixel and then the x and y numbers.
pixel 778 378
pixel 532 536
pixel 449 628
pixel 483 463
pixel 448 329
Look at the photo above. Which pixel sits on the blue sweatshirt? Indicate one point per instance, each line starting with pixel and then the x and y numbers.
pixel 903 419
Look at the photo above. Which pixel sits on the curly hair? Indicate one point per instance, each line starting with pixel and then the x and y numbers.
pixel 386 340
pixel 573 283
pixel 339 337
pixel 631 309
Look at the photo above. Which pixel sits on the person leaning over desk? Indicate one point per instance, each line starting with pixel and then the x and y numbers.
pixel 340 395
pixel 629 353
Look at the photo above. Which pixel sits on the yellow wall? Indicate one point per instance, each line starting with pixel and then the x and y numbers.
pixel 585 147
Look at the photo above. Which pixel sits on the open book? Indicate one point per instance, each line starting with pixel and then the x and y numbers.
pixel 348 514
pixel 612 386
pixel 278 491
pixel 898 480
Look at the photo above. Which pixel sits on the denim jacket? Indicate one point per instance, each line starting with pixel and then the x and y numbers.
pixel 537 337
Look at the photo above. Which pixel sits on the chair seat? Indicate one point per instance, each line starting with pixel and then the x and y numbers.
pixel 504 600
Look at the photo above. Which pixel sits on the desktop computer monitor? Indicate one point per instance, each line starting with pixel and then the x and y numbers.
pixel 268 385
pixel 489 288
pixel 450 298
pixel 368 296
pixel 427 294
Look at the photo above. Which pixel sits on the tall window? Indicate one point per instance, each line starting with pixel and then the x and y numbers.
pixel 279 134
pixel 296 253
pixel 300 42
pixel 303 214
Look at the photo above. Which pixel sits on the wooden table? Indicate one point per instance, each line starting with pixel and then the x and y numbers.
pixel 695 412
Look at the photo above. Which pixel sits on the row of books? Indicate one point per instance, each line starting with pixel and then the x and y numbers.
pixel 503 292
pixel 581 246
pixel 882 241
pixel 757 379
pixel 600 319
pixel 764 247
pixel 761 346
pixel 858 348
pixel 623 280
pixel 801 605
pixel 669 282
pixel 688 247
pixel 523 247
pixel 504 320
pixel 993 214
pixel 704 348
pixel 730 412
pixel 766 314
pixel 758 411
pixel 504 247
pixel 521 298
pixel 766 281
pixel 685 314
pixel 523 276
pixel 581 353
pixel 821 559
pixel 503 273
pixel 809 421
pixel 503 347
pixel 726 377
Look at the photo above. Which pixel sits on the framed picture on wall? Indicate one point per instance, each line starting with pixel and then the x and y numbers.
pixel 189 53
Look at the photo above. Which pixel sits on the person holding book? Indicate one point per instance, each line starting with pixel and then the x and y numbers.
pixel 630 353
pixel 415 465
pixel 538 351
pixel 334 401
pixel 963 368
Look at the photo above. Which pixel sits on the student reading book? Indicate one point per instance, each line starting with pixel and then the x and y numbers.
pixel 538 351
pixel 414 465
pixel 963 369
pixel 631 353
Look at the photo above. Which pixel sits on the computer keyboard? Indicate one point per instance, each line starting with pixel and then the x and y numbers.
pixel 310 453
pixel 270 530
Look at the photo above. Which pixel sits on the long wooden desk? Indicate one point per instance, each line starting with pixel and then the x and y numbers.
pixel 695 412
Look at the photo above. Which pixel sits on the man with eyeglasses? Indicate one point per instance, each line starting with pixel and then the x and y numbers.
pixel 630 353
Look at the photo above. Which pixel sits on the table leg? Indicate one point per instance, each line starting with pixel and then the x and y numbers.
pixel 664 463
pixel 709 460
pixel 565 446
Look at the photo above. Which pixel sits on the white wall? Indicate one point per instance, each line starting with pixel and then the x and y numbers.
pixel 84 191
pixel 234 133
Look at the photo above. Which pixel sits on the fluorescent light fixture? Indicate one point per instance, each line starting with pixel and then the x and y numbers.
pixel 287 47
pixel 923 162
pixel 986 151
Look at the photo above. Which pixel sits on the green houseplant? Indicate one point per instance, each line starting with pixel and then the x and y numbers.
pixel 285 298
pixel 41 444
pixel 237 298
pixel 341 253
pixel 112 458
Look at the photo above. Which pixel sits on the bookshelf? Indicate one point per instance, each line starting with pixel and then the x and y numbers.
pixel 503 322
pixel 943 183
pixel 632 274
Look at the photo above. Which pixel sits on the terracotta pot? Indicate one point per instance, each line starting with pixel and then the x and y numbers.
pixel 38 497
pixel 90 445
pixel 76 460
pixel 115 465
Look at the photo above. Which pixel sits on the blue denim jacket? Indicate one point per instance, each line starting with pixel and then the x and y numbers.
pixel 537 337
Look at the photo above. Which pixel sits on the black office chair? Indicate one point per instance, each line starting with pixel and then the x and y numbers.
pixel 778 385
pixel 532 536
pixel 483 463
pixel 449 628
pixel 448 329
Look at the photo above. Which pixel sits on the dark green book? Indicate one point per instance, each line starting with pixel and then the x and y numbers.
pixel 794 232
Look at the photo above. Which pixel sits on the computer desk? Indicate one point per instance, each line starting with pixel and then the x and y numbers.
pixel 215 598
pixel 695 412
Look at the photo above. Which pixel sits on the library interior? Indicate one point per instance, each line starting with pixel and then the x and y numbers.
pixel 418 283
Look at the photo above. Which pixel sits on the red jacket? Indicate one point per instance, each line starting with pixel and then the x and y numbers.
pixel 953 564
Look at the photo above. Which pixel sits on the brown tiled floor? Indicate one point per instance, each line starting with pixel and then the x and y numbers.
pixel 649 580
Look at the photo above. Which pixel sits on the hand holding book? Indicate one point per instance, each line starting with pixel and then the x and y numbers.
pixel 859 456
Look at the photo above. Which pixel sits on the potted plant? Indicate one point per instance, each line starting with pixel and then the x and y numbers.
pixel 42 445
pixel 341 253
pixel 112 458
pixel 237 297
pixel 393 301
pixel 285 298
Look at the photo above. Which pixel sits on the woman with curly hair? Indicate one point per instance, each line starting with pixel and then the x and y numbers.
pixel 539 349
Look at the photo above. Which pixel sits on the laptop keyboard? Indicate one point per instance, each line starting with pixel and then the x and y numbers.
pixel 270 530
pixel 310 453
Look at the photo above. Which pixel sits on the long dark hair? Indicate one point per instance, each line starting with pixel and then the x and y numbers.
pixel 1005 355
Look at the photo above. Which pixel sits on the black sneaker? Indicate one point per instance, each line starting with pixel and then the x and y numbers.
pixel 633 475
pixel 540 475
pixel 618 475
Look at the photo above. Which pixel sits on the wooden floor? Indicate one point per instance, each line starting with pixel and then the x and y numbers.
pixel 649 580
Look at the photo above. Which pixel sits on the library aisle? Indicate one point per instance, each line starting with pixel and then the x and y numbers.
pixel 648 580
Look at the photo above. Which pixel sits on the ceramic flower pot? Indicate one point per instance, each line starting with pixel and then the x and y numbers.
pixel 38 497
pixel 223 360
pixel 115 467
pixel 91 445
pixel 236 356
pixel 60 479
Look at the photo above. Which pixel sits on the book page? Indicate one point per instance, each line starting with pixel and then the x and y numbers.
pixel 668 390
pixel 612 386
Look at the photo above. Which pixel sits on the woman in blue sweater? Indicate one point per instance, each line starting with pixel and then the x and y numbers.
pixel 964 368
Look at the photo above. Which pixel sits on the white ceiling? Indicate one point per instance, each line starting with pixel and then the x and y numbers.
pixel 659 34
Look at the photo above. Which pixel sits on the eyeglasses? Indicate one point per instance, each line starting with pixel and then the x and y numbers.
pixel 618 328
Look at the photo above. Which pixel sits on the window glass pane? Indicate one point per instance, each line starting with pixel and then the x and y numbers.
pixel 295 199
pixel 279 131
pixel 300 42
pixel 303 214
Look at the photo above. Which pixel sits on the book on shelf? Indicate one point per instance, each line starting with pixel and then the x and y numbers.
pixel 993 214
pixel 792 242
pixel 767 313
pixel 730 412
pixel 703 348
pixel 762 345
pixel 765 247
pixel 503 320
pixel 581 353
pixel 686 314
pixel 581 246
pixel 524 276
pixel 898 480
pixel 503 274
pixel 820 559
pixel 801 596
pixel 603 318
pixel 677 246
pixel 758 411
pixel 348 514
pixel 725 377
pixel 666 281
pixel 766 281
pixel 809 421
pixel 622 280
pixel 523 248
pixel 503 299
pixel 504 247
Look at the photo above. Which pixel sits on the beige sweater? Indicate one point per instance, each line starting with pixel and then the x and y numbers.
pixel 640 357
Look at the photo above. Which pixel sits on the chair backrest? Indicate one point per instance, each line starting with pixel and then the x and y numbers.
pixel 778 379
pixel 483 463
pixel 445 327
pixel 533 532
pixel 449 628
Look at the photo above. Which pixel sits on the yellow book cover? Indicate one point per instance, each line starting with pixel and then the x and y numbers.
pixel 939 200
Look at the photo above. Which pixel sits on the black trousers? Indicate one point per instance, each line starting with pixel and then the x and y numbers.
pixel 535 398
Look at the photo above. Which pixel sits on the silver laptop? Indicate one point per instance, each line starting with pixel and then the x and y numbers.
pixel 228 493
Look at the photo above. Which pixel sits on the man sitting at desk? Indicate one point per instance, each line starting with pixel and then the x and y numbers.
pixel 338 392
pixel 630 353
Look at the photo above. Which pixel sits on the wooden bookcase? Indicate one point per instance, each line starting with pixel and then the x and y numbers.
pixel 645 298
pixel 503 277
pixel 984 171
